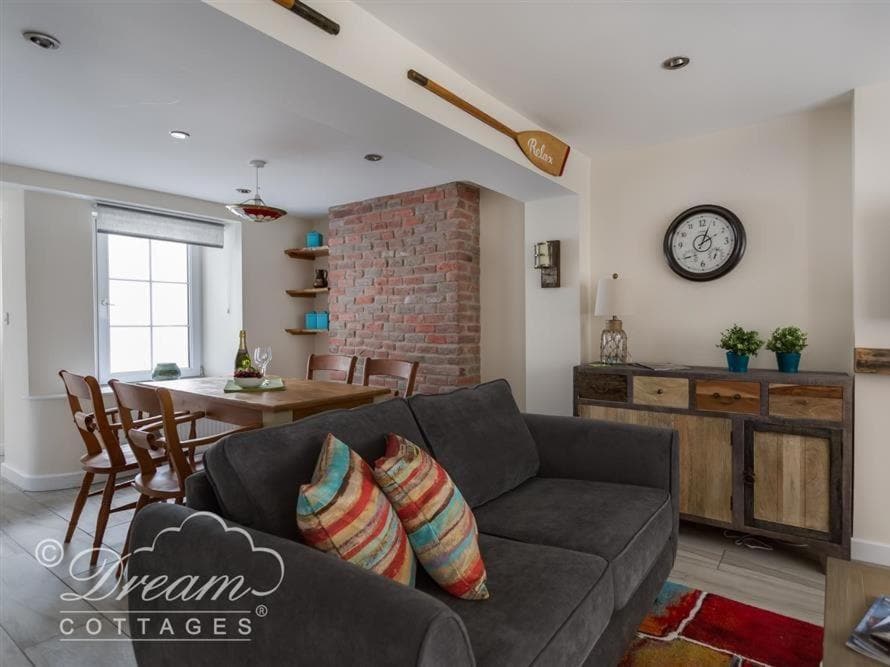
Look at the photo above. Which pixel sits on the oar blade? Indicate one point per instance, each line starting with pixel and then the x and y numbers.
pixel 545 151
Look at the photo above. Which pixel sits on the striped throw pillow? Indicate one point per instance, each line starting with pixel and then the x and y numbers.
pixel 440 524
pixel 342 511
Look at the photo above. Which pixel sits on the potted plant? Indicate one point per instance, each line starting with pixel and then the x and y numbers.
pixel 787 343
pixel 739 345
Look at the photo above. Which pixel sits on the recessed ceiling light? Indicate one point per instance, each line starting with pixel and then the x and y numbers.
pixel 243 191
pixel 41 39
pixel 677 62
pixel 179 134
pixel 373 157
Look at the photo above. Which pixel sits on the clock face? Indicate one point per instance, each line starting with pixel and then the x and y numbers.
pixel 704 242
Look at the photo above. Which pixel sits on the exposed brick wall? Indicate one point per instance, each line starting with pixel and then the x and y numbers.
pixel 404 279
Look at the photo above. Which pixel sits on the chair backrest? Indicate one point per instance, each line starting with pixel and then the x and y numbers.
pixel 336 363
pixel 179 462
pixel 141 400
pixel 404 370
pixel 94 427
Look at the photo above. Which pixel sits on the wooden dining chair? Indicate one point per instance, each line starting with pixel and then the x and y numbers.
pixel 105 455
pixel 395 368
pixel 160 482
pixel 336 363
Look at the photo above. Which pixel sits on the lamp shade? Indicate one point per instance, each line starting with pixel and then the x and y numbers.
pixel 613 297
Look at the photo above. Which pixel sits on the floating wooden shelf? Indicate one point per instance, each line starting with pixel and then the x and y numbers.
pixel 305 332
pixel 308 293
pixel 308 253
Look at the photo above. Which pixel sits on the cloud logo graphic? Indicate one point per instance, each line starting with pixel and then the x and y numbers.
pixel 169 533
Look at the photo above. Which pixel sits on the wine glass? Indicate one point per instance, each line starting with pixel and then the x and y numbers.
pixel 262 355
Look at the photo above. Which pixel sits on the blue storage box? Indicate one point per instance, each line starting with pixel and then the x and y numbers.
pixel 312 320
pixel 322 320
pixel 313 239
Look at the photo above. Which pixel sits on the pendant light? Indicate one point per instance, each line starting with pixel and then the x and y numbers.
pixel 255 209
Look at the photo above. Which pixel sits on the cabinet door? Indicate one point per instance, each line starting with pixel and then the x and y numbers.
pixel 792 479
pixel 705 456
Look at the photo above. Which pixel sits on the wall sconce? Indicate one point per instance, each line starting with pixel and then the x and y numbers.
pixel 547 261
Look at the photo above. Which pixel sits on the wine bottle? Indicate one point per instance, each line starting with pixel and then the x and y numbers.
pixel 242 358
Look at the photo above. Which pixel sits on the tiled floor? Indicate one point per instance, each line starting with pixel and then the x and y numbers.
pixel 30 606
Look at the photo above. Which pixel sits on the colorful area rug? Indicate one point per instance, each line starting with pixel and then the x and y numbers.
pixel 689 627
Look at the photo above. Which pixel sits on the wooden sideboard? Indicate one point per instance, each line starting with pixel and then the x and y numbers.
pixel 762 452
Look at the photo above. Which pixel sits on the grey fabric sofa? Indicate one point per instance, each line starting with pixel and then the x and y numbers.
pixel 578 530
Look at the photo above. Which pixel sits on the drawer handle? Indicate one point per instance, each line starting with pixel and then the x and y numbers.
pixel 659 391
pixel 726 400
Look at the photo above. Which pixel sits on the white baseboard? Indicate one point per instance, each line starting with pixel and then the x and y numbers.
pixel 871 552
pixel 64 480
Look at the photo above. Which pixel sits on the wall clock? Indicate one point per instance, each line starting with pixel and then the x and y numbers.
pixel 704 242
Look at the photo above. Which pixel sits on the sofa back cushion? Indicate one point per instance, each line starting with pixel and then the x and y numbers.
pixel 256 475
pixel 479 437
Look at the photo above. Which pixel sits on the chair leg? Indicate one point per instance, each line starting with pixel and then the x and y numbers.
pixel 104 511
pixel 78 504
pixel 142 502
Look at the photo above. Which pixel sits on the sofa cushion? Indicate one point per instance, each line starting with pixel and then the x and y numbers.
pixel 343 512
pixel 548 606
pixel 479 437
pixel 256 475
pixel 626 525
pixel 439 523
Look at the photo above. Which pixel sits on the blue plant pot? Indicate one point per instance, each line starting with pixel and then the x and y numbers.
pixel 738 363
pixel 312 320
pixel 788 361
pixel 166 372
pixel 313 239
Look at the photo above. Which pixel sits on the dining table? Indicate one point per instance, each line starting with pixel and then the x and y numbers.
pixel 299 398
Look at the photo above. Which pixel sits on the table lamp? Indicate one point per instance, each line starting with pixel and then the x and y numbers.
pixel 613 298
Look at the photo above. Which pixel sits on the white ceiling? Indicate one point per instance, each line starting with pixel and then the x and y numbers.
pixel 590 71
pixel 131 70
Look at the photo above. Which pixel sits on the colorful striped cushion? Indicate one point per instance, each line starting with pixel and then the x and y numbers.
pixel 342 511
pixel 440 524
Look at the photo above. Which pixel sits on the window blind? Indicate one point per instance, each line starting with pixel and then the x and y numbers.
pixel 149 225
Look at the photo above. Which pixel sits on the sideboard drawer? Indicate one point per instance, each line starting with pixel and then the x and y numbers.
pixel 666 392
pixel 807 401
pixel 728 396
pixel 600 387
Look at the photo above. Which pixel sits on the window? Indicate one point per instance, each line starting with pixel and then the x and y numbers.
pixel 149 296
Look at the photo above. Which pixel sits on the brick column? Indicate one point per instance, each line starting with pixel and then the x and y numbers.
pixel 404 279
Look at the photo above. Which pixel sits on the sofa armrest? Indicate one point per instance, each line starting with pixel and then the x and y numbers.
pixel 602 451
pixel 312 609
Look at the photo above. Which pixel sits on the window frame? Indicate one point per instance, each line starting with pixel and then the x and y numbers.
pixel 195 315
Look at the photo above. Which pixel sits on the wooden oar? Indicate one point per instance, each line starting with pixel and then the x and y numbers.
pixel 304 11
pixel 543 150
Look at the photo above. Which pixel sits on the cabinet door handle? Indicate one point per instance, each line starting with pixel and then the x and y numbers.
pixel 726 400
pixel 659 391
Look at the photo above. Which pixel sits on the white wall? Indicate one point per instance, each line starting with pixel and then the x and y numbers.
pixel 268 310
pixel 14 350
pixel 222 314
pixel 503 260
pixel 61 294
pixel 789 180
pixel 552 315
pixel 871 279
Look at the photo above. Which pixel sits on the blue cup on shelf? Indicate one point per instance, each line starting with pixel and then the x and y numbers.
pixel 313 239
pixel 312 320
pixel 321 320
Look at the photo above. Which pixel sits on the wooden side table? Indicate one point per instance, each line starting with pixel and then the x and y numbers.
pixel 850 589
